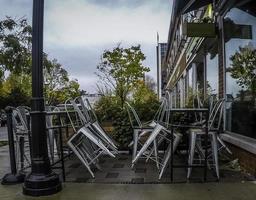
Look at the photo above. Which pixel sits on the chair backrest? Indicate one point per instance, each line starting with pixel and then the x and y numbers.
pixel 132 114
pixel 84 109
pixel 70 105
pixel 159 116
pixel 91 111
pixel 19 118
pixel 79 112
pixel 215 116
pixel 88 110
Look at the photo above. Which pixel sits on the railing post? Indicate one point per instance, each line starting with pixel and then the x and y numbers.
pixel 13 177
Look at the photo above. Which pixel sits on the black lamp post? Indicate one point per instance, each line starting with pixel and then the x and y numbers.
pixel 42 180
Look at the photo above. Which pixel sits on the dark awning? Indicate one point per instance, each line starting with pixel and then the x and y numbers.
pixel 178 6
pixel 196 4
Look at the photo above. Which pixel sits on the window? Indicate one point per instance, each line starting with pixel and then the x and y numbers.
pixel 212 74
pixel 200 77
pixel 240 50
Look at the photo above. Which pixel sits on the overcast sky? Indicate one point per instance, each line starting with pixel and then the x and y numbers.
pixel 76 32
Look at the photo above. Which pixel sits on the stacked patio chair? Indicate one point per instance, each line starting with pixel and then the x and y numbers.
pixel 195 144
pixel 89 141
pixel 21 137
pixel 139 131
pixel 52 139
pixel 159 134
pixel 91 118
pixel 221 145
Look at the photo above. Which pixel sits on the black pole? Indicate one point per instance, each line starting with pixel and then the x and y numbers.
pixel 42 180
pixel 13 177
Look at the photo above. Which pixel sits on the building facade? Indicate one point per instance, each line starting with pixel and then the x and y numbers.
pixel 211 52
pixel 161 49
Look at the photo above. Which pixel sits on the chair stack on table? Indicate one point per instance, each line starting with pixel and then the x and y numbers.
pixel 90 141
pixel 159 132
pixel 197 135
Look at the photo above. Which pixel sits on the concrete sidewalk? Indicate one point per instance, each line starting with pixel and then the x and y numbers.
pixel 3 134
pixel 211 191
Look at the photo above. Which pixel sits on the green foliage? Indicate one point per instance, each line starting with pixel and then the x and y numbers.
pixel 109 108
pixel 243 68
pixel 15 58
pixel 120 69
pixel 106 107
pixel 15 90
pixel 122 73
pixel 123 132
pixel 15 46
pixel 58 86
pixel 145 101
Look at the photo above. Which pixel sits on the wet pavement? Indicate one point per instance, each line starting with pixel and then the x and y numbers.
pixel 118 171
pixel 118 181
pixel 3 134
pixel 4 160
pixel 207 191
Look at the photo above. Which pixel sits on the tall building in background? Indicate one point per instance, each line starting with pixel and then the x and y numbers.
pixel 161 49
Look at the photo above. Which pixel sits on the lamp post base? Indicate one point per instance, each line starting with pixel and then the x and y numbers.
pixel 12 179
pixel 41 184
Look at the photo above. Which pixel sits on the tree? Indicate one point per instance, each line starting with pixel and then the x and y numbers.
pixel 15 58
pixel 15 46
pixel 121 68
pixel 58 86
pixel 149 81
pixel 145 100
pixel 243 68
pixel 15 90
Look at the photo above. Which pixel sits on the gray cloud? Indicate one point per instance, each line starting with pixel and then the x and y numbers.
pixel 129 3
pixel 16 8
pixel 78 31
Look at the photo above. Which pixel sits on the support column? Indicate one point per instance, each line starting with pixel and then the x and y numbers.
pixel 42 180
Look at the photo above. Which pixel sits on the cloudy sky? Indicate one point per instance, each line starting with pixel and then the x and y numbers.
pixel 78 31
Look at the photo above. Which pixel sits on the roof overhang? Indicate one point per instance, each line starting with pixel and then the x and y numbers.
pixel 196 4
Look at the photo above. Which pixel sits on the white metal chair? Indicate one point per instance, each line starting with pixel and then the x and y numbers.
pixel 139 131
pixel 195 144
pixel 86 143
pixel 21 135
pixel 159 134
pixel 53 141
pixel 91 118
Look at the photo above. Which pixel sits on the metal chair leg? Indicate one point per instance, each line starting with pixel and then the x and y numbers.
pixel 149 141
pixel 156 153
pixel 215 153
pixel 135 144
pixel 191 153
pixel 224 145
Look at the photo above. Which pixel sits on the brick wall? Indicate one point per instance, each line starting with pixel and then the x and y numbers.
pixel 247 160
